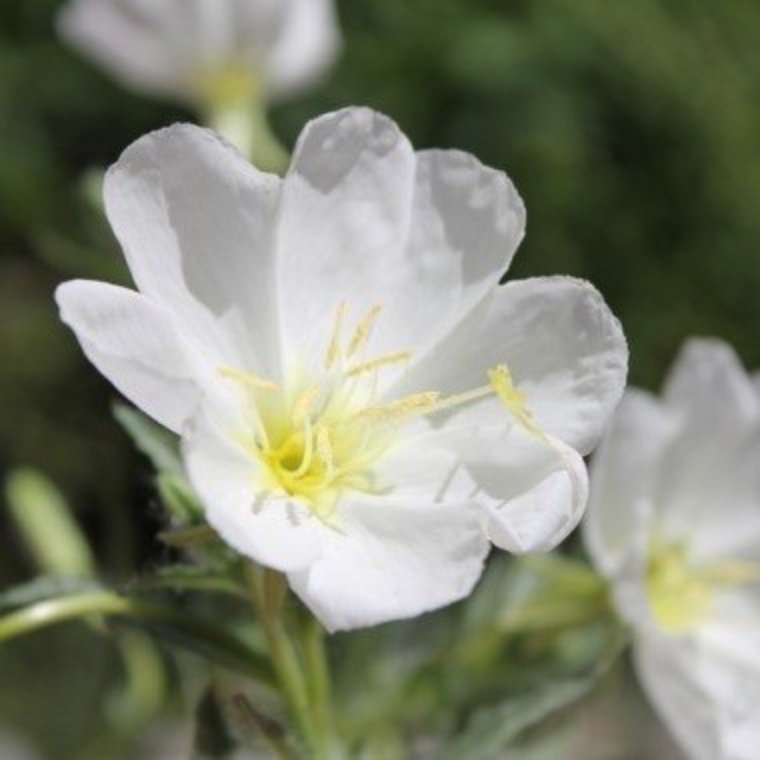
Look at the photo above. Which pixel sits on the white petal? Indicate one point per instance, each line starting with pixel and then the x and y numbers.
pixel 305 47
pixel 387 560
pixel 533 491
pixel 710 492
pixel 709 487
pixel 365 222
pixel 755 377
pixel 193 218
pixel 709 700
pixel 624 474
pixel 133 343
pixel 128 39
pixel 708 382
pixel 564 348
pixel 273 531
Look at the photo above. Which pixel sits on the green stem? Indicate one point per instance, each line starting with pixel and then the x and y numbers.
pixel 245 125
pixel 267 589
pixel 183 629
pixel 318 683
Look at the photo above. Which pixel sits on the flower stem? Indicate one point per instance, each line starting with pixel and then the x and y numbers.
pixel 267 589
pixel 318 683
pixel 245 125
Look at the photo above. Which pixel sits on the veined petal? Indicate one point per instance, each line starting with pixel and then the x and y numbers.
pixel 268 528
pixel 365 222
pixel 131 43
pixel 133 343
pixel 709 384
pixel 709 699
pixel 533 490
pixel 564 349
pixel 194 219
pixel 306 45
pixel 385 560
pixel 712 466
pixel 709 491
pixel 625 471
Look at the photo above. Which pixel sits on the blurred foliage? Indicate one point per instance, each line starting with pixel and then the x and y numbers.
pixel 631 129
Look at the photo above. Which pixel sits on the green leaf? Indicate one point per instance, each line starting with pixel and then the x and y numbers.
pixel 45 587
pixel 158 444
pixel 491 729
pixel 45 523
pixel 204 637
pixel 179 498
pixel 191 578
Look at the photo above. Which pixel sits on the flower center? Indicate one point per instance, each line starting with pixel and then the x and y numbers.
pixel 320 436
pixel 228 85
pixel 681 593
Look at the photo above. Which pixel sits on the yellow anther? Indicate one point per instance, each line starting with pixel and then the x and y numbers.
pixel 363 329
pixel 503 386
pixel 416 403
pixel 458 399
pixel 385 360
pixel 324 450
pixel 246 378
pixel 333 347
pixel 304 404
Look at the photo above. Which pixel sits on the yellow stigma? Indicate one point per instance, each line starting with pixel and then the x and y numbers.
pixel 314 440
pixel 681 593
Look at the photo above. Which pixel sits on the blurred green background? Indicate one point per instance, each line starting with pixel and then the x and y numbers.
pixel 632 130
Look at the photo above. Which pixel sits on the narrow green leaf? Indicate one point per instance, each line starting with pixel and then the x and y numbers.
pixel 196 634
pixel 45 587
pixel 47 526
pixel 158 444
pixel 179 498
pixel 491 729
pixel 190 578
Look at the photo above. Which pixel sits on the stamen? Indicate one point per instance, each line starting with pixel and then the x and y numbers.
pixel 324 451
pixel 246 378
pixel 380 361
pixel 504 387
pixel 304 404
pixel 730 573
pixel 462 398
pixel 308 451
pixel 333 347
pixel 417 403
pixel 363 329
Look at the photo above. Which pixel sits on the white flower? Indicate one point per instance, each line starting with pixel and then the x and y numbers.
pixel 674 522
pixel 206 51
pixel 355 358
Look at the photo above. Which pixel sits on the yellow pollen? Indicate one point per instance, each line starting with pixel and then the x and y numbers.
pixel 385 360
pixel 333 347
pixel 313 441
pixel 504 387
pixel 680 593
pixel 246 378
pixel 416 403
pixel 324 450
pixel 363 329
